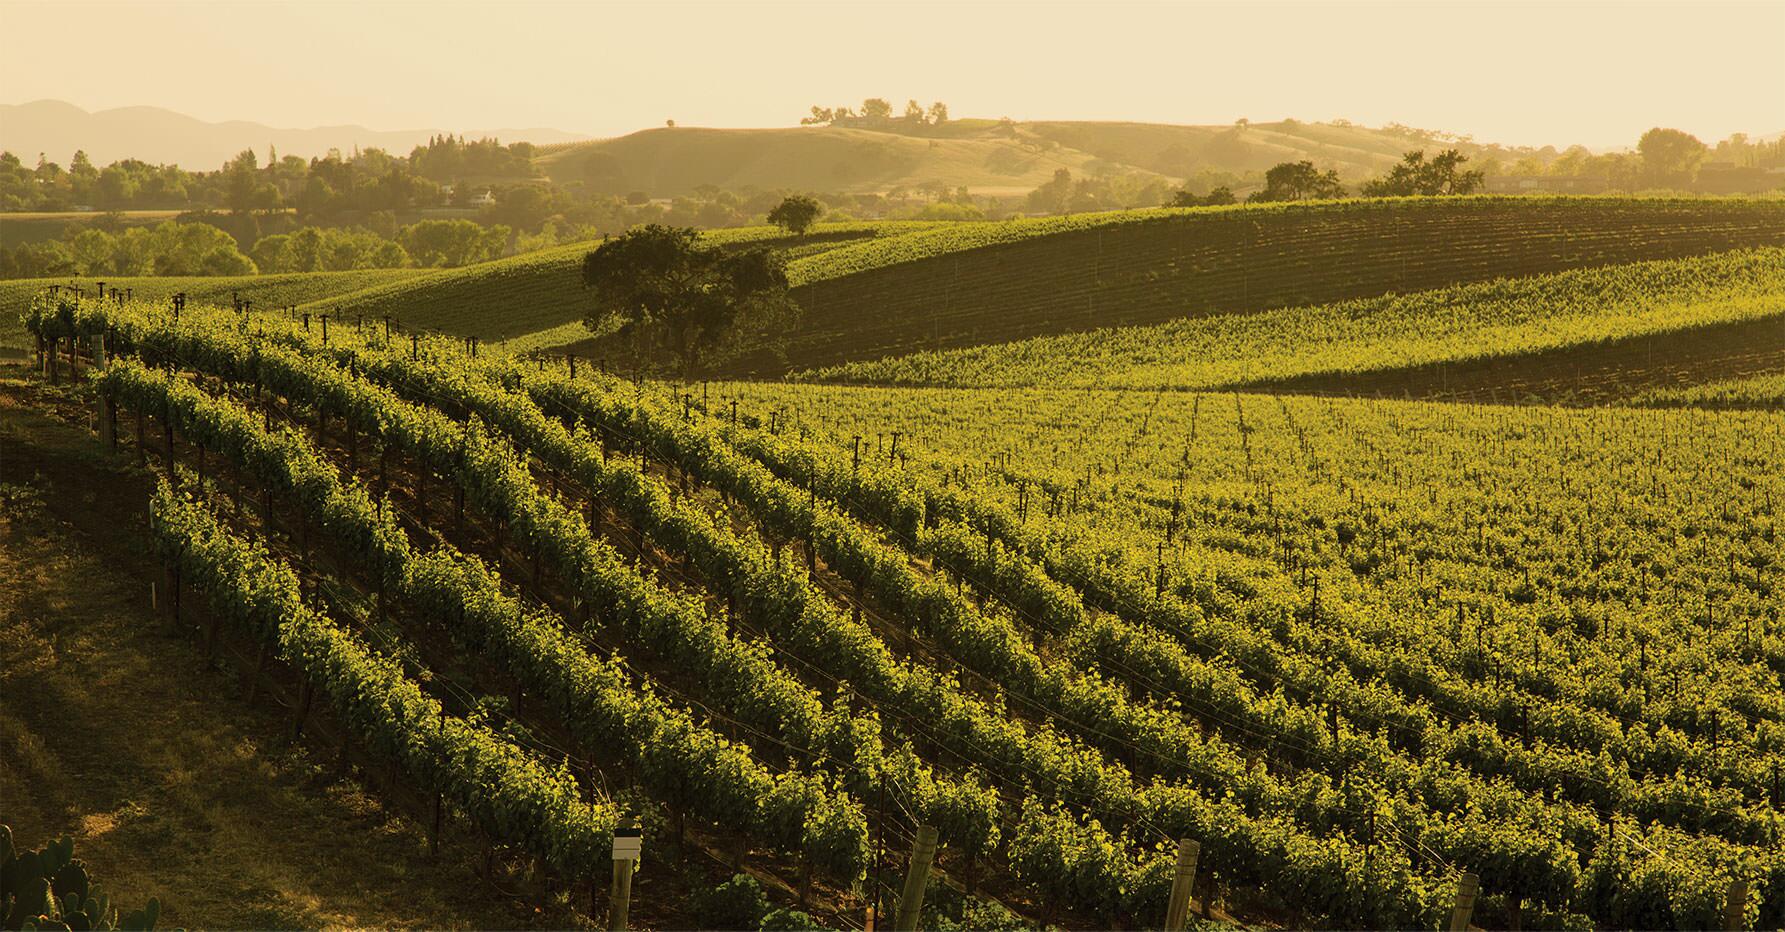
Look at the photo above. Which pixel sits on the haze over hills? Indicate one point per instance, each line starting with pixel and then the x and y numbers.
pixel 57 129
pixel 987 156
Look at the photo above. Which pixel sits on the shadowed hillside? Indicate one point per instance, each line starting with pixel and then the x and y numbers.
pixel 1145 267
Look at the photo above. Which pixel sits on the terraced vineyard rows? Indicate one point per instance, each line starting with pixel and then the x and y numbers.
pixel 1236 530
pixel 266 291
pixel 1034 845
pixel 1657 798
pixel 1471 338
pixel 1334 641
pixel 992 283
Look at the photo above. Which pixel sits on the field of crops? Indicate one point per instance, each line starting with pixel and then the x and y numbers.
pixel 976 284
pixel 1353 648
pixel 1470 334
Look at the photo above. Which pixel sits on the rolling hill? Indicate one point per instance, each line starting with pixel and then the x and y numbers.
pixel 1672 321
pixel 539 291
pixel 986 156
pixel 982 284
pixel 877 290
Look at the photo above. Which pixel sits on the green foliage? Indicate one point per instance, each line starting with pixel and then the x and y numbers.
pixel 50 889
pixel 796 214
pixel 1299 181
pixel 659 291
pixel 1442 176
pixel 1431 762
pixel 1291 346
pixel 1219 196
pixel 452 243
pixel 788 919
pixel 504 790
pixel 685 765
pixel 540 290
pixel 1670 157
pixel 738 903
pixel 975 284
pixel 168 249
pixel 314 249
pixel 1235 594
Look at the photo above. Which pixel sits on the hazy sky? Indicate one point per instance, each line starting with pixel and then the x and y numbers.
pixel 1595 72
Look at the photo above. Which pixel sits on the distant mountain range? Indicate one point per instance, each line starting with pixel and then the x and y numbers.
pixel 57 128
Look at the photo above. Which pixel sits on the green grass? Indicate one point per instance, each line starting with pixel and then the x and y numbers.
pixel 1288 347
pixel 266 291
pixel 540 291
pixel 975 284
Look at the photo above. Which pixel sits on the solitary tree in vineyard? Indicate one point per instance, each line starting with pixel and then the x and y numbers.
pixel 796 214
pixel 662 293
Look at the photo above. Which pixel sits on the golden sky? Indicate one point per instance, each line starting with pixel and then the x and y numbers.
pixel 1595 72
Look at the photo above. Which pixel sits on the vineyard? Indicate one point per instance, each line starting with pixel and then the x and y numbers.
pixel 1360 653
pixel 540 291
pixel 1716 310
pixel 972 284
pixel 265 291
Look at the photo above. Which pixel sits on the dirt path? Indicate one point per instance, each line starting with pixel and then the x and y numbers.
pixel 117 734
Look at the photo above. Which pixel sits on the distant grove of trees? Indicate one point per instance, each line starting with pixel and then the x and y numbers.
pixel 1064 194
pixel 166 249
pixel 876 113
pixel 446 171
pixel 196 248
pixel 1443 175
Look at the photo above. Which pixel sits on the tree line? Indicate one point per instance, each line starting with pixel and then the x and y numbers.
pixel 877 113
pixel 173 247
pixel 433 174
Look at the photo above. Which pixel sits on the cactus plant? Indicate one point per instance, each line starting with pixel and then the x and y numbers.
pixel 51 889
pixel 71 880
pixel 143 919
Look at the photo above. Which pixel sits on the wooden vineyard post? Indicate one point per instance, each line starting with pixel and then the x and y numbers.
pixel 172 581
pixel 306 692
pixel 628 845
pixel 260 666
pixel 1467 886
pixel 108 424
pixel 923 852
pixel 439 799
pixel 1177 911
pixel 167 433
pixel 1735 909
